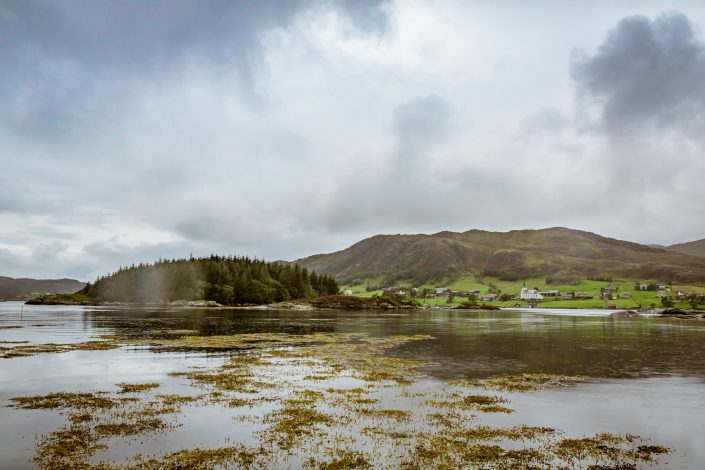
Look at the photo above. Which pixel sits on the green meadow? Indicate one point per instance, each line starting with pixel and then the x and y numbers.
pixel 591 288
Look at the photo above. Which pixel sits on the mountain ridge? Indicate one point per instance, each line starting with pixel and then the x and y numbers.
pixel 11 288
pixel 694 248
pixel 558 252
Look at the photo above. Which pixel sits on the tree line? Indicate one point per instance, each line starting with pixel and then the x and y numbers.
pixel 228 280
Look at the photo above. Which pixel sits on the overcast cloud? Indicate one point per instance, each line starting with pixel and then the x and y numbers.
pixel 131 131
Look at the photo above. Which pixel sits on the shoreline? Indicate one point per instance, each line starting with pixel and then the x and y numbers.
pixel 343 303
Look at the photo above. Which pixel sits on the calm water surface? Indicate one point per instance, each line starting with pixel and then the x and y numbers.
pixel 648 375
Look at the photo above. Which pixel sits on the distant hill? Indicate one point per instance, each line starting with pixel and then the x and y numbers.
pixel 696 248
pixel 11 288
pixel 561 253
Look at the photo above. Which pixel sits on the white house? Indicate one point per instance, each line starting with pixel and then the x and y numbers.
pixel 530 294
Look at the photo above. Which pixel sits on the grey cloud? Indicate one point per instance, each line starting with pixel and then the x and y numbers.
pixel 138 120
pixel 418 124
pixel 646 71
pixel 369 15
pixel 49 251
pixel 407 189
pixel 68 65
pixel 546 121
pixel 104 256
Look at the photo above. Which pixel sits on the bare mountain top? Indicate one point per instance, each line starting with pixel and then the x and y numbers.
pixel 696 248
pixel 557 252
pixel 11 288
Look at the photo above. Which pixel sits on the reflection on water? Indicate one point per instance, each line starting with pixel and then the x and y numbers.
pixel 649 373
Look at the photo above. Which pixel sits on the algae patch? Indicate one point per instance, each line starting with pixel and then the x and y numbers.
pixel 92 418
pixel 324 400
pixel 522 382
pixel 484 403
pixel 137 388
pixel 54 348
pixel 199 459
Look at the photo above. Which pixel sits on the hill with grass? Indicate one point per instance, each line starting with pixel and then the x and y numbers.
pixel 11 288
pixel 561 254
pixel 696 248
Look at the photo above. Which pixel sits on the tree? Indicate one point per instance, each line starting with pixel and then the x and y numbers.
pixel 666 302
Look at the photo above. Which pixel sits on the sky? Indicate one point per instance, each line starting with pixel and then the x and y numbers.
pixel 133 130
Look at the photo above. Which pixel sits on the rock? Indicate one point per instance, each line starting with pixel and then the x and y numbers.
pixel 627 314
pixel 289 306
pixel 671 312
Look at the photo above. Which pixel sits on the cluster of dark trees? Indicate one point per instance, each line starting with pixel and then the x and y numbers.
pixel 227 280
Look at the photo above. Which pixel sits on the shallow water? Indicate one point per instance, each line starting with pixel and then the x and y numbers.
pixel 647 375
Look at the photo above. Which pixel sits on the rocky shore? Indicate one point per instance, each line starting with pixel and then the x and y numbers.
pixel 663 313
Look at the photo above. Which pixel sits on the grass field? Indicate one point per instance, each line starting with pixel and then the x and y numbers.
pixel 591 288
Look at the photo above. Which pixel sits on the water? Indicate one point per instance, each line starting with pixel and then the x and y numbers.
pixel 648 375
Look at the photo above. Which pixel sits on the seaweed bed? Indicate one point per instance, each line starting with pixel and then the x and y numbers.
pixel 384 416
pixel 25 350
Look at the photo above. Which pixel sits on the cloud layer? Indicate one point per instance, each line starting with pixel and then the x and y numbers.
pixel 134 131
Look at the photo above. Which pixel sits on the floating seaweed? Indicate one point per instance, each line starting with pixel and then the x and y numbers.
pixel 522 382
pixel 317 424
pixel 54 348
pixel 137 388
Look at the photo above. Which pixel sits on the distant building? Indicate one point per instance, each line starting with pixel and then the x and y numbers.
pixel 550 293
pixel 395 291
pixel 567 296
pixel 489 297
pixel 626 295
pixel 530 294
pixel 348 292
